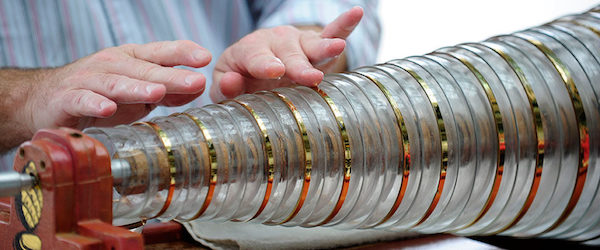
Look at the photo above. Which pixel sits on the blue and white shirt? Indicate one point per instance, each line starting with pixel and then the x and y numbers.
pixel 52 33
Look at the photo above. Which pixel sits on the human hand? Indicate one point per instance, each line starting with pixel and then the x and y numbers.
pixel 282 56
pixel 116 85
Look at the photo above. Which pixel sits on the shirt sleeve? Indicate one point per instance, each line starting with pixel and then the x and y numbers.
pixel 362 44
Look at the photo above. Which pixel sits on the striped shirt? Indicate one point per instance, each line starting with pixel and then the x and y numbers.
pixel 52 33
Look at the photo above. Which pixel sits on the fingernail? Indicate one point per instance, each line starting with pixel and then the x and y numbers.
pixel 329 41
pixel 149 89
pixel 310 73
pixel 104 104
pixel 274 65
pixel 273 68
pixel 325 61
pixel 202 89
pixel 189 80
pixel 199 55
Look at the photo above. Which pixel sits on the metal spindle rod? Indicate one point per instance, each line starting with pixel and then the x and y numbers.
pixel 11 183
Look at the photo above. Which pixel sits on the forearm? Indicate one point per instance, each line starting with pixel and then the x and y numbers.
pixel 15 90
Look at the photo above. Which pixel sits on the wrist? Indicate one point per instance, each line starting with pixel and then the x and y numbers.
pixel 17 102
pixel 33 90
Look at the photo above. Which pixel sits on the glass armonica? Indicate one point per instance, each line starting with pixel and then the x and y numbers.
pixel 497 137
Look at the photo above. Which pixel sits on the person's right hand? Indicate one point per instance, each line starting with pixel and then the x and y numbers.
pixel 116 85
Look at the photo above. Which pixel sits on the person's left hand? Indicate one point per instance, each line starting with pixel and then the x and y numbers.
pixel 282 56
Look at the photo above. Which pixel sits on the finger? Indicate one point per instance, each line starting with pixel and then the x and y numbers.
pixel 254 58
pixel 170 53
pixel 177 81
pixel 319 50
pixel 128 113
pixel 233 84
pixel 297 66
pixel 82 103
pixel 344 24
pixel 178 100
pixel 125 90
pixel 227 85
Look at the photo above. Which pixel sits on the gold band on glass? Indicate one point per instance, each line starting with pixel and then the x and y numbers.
pixel 596 31
pixel 347 155
pixel 499 132
pixel 212 162
pixel 405 164
pixel 584 139
pixel 171 162
pixel 538 126
pixel 307 154
pixel 270 166
pixel 443 140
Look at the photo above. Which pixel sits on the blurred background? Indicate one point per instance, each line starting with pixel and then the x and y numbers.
pixel 419 27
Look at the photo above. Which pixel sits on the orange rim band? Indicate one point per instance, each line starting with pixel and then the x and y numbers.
pixel 213 164
pixel 307 154
pixel 538 126
pixel 499 132
pixel 443 141
pixel 584 140
pixel 270 166
pixel 347 155
pixel 405 164
pixel 171 160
